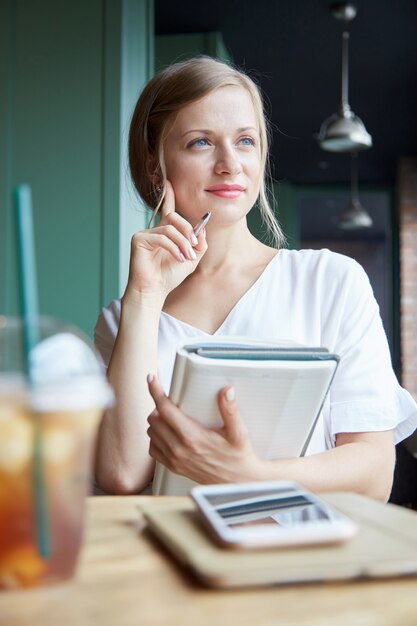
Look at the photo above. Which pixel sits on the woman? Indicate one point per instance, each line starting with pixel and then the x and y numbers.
pixel 198 143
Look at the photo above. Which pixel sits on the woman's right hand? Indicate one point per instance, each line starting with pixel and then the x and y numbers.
pixel 163 256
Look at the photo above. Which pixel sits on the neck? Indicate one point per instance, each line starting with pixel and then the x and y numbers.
pixel 229 246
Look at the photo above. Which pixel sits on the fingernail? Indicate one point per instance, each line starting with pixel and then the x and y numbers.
pixel 192 254
pixel 230 394
pixel 150 378
pixel 193 239
pixel 181 257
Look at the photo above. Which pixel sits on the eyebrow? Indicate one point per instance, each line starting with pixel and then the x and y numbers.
pixel 206 131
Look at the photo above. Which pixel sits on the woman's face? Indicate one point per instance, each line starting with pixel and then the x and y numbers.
pixel 213 156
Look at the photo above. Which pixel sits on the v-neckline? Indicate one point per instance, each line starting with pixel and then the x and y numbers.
pixel 233 309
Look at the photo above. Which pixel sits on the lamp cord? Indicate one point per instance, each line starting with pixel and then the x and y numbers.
pixel 354 177
pixel 344 105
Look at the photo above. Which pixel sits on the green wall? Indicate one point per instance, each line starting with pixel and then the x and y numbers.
pixel 69 75
pixel 172 48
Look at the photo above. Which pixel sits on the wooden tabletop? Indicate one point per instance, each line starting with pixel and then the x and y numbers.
pixel 126 579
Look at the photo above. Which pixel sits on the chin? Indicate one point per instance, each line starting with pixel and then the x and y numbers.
pixel 228 214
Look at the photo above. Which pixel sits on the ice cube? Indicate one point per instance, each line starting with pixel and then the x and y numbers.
pixel 58 445
pixel 16 443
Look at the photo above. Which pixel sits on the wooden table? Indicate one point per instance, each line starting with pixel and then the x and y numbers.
pixel 125 578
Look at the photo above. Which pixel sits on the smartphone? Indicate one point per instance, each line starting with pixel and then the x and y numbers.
pixel 264 514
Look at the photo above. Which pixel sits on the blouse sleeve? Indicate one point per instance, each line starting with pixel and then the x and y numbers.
pixel 365 395
pixel 105 331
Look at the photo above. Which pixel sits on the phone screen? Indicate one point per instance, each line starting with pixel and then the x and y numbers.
pixel 273 513
pixel 287 508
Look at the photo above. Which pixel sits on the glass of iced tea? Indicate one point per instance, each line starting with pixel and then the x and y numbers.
pixel 48 426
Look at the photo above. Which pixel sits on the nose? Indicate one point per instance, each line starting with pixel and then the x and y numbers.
pixel 227 160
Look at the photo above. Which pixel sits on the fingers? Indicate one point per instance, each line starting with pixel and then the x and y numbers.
pixel 202 454
pixel 161 437
pixel 168 204
pixel 175 419
pixel 155 389
pixel 183 226
pixel 170 216
pixel 234 428
pixel 175 238
pixel 197 245
pixel 172 240
pixel 151 241
pixel 172 434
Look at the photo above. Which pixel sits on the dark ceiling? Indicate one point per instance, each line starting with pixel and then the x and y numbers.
pixel 293 48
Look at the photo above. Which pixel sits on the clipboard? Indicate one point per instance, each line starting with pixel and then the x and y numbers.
pixel 385 546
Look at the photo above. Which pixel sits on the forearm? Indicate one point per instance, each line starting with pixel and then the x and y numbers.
pixel 360 466
pixel 123 464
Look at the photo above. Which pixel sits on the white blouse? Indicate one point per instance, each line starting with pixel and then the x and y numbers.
pixel 316 298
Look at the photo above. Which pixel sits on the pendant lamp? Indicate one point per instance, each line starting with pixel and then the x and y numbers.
pixel 354 216
pixel 344 131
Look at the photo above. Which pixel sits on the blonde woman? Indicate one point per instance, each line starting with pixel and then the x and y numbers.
pixel 198 142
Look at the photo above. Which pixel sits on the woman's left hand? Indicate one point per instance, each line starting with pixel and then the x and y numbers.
pixel 204 455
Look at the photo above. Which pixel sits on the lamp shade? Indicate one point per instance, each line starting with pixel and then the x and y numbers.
pixel 354 217
pixel 344 132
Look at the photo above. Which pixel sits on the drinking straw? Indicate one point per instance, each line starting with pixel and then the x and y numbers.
pixel 29 312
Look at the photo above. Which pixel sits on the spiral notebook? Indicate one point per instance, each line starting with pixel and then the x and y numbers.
pixel 280 391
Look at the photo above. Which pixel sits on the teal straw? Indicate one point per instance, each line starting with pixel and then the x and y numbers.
pixel 30 314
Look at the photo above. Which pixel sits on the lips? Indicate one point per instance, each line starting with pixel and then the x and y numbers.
pixel 226 188
pixel 226 191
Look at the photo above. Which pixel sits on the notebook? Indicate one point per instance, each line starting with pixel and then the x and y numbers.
pixel 385 546
pixel 280 391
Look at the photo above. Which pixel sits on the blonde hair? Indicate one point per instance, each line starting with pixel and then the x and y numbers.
pixel 165 94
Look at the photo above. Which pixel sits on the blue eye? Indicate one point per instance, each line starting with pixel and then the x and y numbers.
pixel 198 143
pixel 247 141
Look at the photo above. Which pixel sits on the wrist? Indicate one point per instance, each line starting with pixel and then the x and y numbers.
pixel 152 301
pixel 264 470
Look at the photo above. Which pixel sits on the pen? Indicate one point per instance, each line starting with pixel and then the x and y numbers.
pixel 199 227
